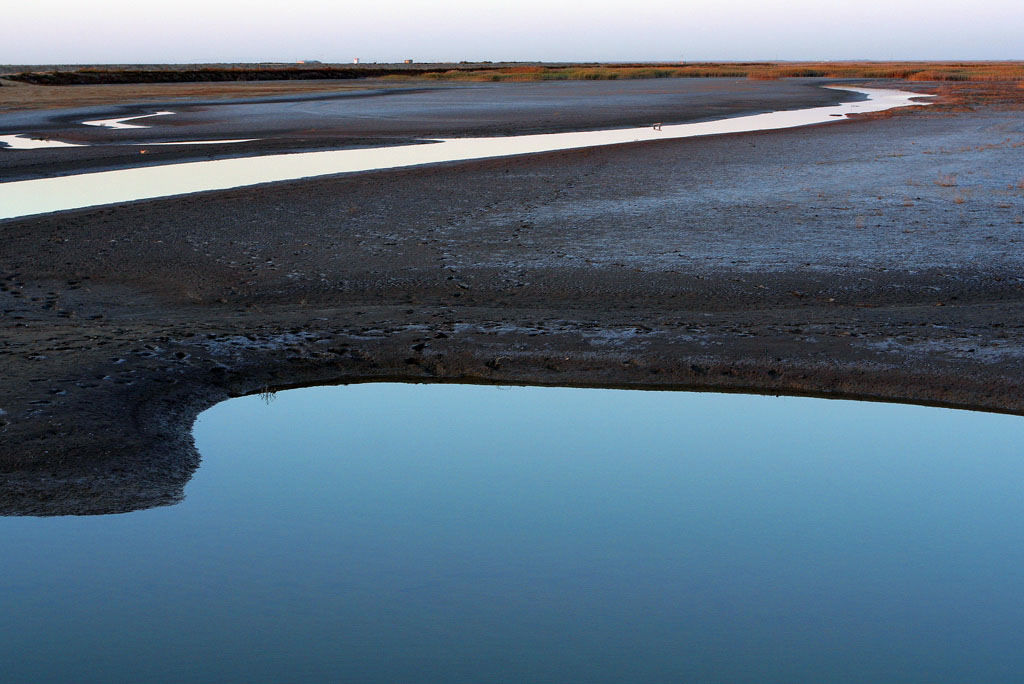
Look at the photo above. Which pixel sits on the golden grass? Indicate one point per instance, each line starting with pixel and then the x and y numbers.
pixel 909 71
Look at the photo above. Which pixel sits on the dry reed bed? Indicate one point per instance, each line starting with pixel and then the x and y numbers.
pixel 909 71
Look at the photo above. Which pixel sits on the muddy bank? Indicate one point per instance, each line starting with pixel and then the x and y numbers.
pixel 876 259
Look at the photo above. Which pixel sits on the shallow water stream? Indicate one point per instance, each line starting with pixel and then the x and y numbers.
pixel 414 533
pixel 28 197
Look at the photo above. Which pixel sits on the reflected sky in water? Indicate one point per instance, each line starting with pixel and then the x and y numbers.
pixel 442 533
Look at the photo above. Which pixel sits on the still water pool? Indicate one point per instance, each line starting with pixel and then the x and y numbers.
pixel 445 533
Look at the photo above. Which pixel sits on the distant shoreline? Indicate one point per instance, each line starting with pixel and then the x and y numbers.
pixel 510 71
pixel 35 87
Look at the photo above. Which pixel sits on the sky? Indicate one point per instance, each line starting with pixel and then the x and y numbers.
pixel 192 31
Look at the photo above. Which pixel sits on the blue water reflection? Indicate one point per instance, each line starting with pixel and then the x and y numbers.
pixel 443 533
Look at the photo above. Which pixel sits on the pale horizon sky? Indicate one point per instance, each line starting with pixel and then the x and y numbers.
pixel 193 31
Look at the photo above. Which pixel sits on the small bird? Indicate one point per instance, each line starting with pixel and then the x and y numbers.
pixel 657 126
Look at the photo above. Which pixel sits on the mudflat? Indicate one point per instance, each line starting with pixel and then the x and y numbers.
pixel 378 114
pixel 876 258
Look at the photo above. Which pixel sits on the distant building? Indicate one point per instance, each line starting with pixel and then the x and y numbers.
pixel 355 60
pixel 408 61
pixel 310 61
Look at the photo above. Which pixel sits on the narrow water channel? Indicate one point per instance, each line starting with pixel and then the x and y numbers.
pixel 422 533
pixel 25 198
